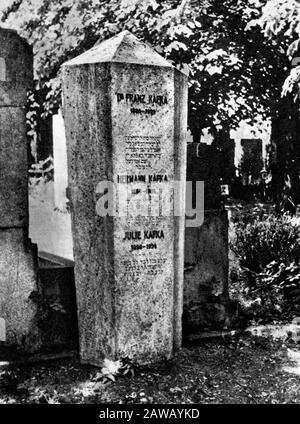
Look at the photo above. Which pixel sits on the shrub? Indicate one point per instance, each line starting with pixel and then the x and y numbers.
pixel 265 240
pixel 278 288
pixel 247 213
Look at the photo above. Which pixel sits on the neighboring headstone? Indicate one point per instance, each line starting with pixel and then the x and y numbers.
pixel 226 148
pixel 251 162
pixel 18 273
pixel 125 111
pixel 203 164
pixel 206 248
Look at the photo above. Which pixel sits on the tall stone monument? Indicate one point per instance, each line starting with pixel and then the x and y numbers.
pixel 18 273
pixel 125 111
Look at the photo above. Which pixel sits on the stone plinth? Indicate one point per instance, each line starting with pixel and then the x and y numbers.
pixel 125 111
pixel 18 260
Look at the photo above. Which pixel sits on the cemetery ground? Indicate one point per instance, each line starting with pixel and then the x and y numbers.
pixel 237 370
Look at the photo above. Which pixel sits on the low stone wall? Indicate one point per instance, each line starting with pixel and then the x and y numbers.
pixel 206 297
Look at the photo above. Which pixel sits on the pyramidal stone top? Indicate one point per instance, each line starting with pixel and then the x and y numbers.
pixel 123 48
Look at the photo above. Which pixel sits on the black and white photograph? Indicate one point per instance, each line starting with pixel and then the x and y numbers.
pixel 149 206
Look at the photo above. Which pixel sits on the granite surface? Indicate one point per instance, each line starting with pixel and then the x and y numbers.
pixel 125 111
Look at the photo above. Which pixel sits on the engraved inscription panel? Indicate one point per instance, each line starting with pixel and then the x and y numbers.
pixel 143 151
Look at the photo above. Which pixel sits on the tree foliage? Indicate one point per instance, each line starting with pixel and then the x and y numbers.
pixel 236 72
pixel 280 21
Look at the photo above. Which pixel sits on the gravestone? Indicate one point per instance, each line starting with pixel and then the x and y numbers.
pixel 125 111
pixel 206 248
pixel 18 261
